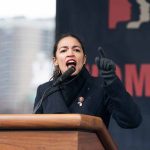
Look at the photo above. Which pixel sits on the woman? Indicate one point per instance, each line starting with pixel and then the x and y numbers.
pixel 102 96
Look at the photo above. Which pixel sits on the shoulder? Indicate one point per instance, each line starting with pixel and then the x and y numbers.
pixel 44 86
pixel 91 79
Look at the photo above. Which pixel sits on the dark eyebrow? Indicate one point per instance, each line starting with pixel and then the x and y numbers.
pixel 63 47
pixel 76 46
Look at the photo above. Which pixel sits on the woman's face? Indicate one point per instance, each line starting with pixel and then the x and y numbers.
pixel 69 53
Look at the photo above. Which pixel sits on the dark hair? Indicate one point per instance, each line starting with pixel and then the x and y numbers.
pixel 57 71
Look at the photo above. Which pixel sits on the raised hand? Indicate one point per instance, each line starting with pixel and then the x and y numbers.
pixel 104 63
pixel 106 66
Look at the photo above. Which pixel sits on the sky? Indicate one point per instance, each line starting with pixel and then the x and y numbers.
pixel 28 8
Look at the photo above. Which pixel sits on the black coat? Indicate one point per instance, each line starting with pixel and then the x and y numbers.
pixel 98 99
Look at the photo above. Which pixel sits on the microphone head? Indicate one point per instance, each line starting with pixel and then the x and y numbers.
pixel 72 68
pixel 69 72
pixel 65 75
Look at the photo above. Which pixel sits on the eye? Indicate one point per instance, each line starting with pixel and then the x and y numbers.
pixel 77 50
pixel 63 50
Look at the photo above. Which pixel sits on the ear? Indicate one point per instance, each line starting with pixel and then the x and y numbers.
pixel 55 61
pixel 84 62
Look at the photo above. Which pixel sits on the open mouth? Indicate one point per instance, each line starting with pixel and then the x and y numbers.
pixel 71 63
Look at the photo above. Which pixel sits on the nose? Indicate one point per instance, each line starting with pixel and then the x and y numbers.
pixel 70 53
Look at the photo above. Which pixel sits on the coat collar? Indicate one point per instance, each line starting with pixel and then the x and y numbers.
pixel 71 88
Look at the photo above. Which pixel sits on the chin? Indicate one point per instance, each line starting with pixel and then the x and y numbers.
pixel 76 72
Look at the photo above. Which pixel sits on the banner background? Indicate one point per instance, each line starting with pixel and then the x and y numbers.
pixel 122 28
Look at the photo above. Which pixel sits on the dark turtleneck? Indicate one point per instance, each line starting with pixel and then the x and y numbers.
pixel 71 87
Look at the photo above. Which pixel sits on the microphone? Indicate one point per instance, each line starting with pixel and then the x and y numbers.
pixel 65 75
pixel 53 89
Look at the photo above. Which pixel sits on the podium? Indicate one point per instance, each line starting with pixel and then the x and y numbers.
pixel 53 132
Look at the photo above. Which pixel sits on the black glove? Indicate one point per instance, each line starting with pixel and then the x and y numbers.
pixel 106 66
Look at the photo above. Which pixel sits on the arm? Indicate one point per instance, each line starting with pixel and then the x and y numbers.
pixel 124 110
pixel 120 104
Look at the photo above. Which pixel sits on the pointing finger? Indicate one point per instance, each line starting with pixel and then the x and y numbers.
pixel 101 52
